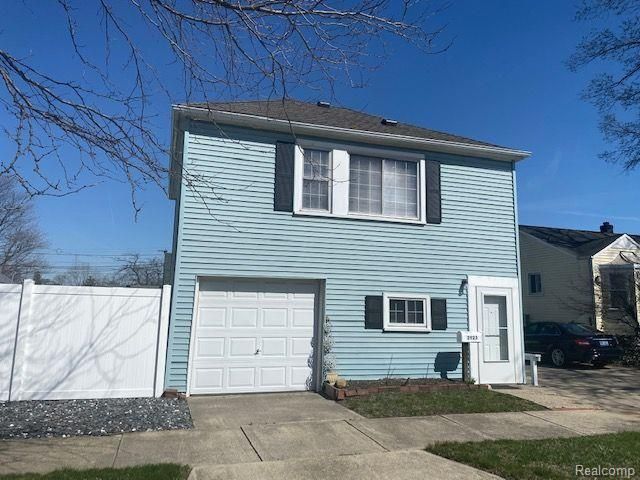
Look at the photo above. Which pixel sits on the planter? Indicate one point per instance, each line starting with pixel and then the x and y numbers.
pixel 337 394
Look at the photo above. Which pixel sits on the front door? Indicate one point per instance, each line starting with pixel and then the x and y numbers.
pixel 494 313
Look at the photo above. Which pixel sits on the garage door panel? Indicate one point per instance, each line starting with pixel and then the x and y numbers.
pixel 243 346
pixel 244 317
pixel 252 336
pixel 210 347
pixel 210 378
pixel 241 377
pixel 213 317
pixel 274 347
pixel 273 377
pixel 303 317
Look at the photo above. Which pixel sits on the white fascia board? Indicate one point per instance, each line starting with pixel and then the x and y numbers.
pixel 339 133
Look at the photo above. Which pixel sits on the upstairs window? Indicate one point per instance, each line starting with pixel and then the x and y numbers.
pixel 535 284
pixel 621 286
pixel 316 183
pixel 383 187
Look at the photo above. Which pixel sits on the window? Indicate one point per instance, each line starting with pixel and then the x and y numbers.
pixel 535 284
pixel 406 312
pixel 620 289
pixel 316 180
pixel 383 187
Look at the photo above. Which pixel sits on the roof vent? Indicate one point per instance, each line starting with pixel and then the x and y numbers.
pixel 388 121
pixel 606 227
pixel 323 104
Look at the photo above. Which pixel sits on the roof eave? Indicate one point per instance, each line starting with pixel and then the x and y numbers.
pixel 339 133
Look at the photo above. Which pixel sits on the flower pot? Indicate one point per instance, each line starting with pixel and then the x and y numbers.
pixel 331 377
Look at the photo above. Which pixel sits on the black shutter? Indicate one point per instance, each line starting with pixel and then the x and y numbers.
pixel 373 312
pixel 438 314
pixel 283 182
pixel 434 206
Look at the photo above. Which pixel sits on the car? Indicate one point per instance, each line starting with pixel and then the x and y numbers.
pixel 563 343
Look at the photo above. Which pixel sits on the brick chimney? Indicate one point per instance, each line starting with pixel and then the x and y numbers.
pixel 606 227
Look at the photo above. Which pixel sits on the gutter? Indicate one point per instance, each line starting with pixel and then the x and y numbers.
pixel 339 133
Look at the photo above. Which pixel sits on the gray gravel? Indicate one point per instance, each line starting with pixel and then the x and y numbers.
pixel 108 416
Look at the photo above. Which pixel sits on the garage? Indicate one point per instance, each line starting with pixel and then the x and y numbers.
pixel 253 336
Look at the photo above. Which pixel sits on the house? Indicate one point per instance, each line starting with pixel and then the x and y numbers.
pixel 585 276
pixel 291 216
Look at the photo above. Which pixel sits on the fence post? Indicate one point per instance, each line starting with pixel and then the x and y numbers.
pixel 23 329
pixel 163 334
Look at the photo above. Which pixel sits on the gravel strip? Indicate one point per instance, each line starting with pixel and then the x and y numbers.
pixel 107 416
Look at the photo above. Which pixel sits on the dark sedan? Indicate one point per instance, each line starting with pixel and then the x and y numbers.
pixel 562 343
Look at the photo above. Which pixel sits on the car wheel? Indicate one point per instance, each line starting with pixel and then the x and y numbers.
pixel 558 358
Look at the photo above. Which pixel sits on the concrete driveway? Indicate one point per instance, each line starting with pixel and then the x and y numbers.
pixel 611 388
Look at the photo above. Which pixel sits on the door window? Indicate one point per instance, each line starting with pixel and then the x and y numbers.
pixel 496 330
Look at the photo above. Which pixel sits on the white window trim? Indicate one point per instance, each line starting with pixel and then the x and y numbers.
pixel 339 185
pixel 536 294
pixel 329 180
pixel 387 326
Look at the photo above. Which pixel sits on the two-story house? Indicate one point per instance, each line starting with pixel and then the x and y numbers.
pixel 583 276
pixel 293 215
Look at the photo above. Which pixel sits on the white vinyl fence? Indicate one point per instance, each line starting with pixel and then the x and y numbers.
pixel 82 342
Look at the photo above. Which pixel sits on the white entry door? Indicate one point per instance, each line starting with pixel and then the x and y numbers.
pixel 253 336
pixel 494 312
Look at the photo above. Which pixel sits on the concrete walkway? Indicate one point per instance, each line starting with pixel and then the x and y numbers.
pixel 306 436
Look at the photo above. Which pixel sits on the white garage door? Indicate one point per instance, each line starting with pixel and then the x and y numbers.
pixel 253 336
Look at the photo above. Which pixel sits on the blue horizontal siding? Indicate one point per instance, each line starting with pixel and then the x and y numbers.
pixel 243 236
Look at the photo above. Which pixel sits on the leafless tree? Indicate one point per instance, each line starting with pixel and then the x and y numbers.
pixel 95 124
pixel 20 237
pixel 139 272
pixel 80 274
pixel 615 93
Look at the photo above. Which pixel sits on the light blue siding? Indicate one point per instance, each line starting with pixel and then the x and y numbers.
pixel 242 236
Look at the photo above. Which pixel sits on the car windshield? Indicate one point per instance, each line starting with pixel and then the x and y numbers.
pixel 577 329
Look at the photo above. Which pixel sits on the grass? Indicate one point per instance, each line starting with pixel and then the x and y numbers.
pixel 554 458
pixel 399 404
pixel 165 471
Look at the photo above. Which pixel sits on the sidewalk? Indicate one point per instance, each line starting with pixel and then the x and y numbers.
pixel 307 446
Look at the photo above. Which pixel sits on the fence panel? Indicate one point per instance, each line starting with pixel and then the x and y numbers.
pixel 89 342
pixel 9 309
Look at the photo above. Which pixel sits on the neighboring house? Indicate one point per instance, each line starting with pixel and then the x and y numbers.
pixel 589 277
pixel 290 214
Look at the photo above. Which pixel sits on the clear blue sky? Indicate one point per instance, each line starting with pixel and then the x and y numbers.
pixel 503 80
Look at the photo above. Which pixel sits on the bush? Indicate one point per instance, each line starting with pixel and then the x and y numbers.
pixel 631 346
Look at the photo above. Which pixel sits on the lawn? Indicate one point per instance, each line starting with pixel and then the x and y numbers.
pixel 399 404
pixel 165 471
pixel 555 458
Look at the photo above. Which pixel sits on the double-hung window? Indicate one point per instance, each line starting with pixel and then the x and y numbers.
pixel 385 187
pixel 406 312
pixel 316 183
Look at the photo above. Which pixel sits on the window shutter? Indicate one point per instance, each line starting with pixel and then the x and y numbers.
pixel 283 182
pixel 373 312
pixel 438 314
pixel 434 207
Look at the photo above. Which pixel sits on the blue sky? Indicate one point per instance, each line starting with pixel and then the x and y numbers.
pixel 503 80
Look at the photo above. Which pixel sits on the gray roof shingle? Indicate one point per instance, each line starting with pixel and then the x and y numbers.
pixel 582 242
pixel 311 113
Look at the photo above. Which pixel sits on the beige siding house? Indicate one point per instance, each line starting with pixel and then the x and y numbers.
pixel 589 277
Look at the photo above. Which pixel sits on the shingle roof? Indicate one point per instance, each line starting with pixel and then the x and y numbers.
pixel 312 113
pixel 582 242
